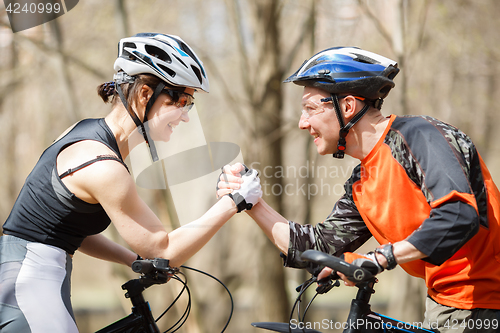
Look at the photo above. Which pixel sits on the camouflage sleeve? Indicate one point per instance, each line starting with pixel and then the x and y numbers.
pixel 343 231
pixel 451 178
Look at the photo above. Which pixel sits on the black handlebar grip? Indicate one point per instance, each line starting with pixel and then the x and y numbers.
pixel 146 266
pixel 143 266
pixel 353 272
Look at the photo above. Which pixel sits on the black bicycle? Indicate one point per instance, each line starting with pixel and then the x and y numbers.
pixel 154 272
pixel 361 318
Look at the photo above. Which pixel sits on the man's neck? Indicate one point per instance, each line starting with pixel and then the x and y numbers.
pixel 365 134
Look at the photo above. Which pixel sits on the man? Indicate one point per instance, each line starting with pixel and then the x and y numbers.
pixel 421 189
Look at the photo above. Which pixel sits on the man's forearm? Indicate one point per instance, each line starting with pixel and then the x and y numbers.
pixel 404 252
pixel 272 223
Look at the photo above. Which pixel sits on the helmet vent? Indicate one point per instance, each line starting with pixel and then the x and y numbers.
pixel 158 53
pixel 186 49
pixel 365 59
pixel 189 52
pixel 182 62
pixel 197 71
pixel 125 53
pixel 392 71
pixel 129 44
pixel 167 70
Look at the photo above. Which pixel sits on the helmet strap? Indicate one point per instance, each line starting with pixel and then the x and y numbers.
pixel 344 129
pixel 143 126
pixel 153 98
pixel 132 114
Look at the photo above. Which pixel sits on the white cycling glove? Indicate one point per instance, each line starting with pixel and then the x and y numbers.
pixel 249 192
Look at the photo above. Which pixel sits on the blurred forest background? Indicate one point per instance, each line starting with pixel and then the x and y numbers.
pixel 449 59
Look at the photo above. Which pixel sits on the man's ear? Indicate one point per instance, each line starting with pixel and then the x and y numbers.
pixel 350 104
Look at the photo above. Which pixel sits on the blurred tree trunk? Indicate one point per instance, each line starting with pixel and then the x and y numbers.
pixel 63 71
pixel 399 45
pixel 121 19
pixel 12 129
pixel 165 210
pixel 409 303
pixel 309 152
pixel 9 126
pixel 263 64
pixel 266 101
pixel 490 122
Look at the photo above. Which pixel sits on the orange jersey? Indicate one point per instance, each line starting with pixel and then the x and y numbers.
pixel 423 182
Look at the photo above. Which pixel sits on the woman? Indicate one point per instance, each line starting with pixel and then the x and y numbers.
pixel 81 183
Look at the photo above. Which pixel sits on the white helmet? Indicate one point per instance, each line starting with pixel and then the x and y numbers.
pixel 167 57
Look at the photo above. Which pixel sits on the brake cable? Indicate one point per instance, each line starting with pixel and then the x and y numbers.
pixel 186 313
pixel 178 296
pixel 303 289
pixel 222 284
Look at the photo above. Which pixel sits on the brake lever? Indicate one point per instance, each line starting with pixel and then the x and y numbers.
pixel 305 284
pixel 154 279
pixel 326 284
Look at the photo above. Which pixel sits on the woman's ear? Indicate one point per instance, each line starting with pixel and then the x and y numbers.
pixel 145 94
pixel 141 99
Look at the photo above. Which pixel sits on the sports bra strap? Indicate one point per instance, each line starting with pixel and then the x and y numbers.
pixel 97 159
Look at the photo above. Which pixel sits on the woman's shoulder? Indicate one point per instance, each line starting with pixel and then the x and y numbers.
pixel 88 166
pixel 85 123
pixel 81 152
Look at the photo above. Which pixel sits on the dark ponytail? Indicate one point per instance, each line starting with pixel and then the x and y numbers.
pixel 107 91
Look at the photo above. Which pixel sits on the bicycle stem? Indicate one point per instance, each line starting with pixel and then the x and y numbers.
pixel 359 307
pixel 140 307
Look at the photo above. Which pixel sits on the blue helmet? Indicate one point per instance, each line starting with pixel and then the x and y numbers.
pixel 348 70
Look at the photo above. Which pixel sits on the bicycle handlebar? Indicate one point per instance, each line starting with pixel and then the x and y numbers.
pixel 146 266
pixel 353 272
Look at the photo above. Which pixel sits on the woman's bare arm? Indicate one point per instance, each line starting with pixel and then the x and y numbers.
pixel 109 183
pixel 99 246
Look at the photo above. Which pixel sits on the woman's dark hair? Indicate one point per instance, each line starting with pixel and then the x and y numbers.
pixel 107 91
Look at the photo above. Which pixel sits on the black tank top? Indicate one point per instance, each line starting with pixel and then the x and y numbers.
pixel 45 210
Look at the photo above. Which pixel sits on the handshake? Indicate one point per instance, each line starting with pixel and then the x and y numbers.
pixel 240 184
